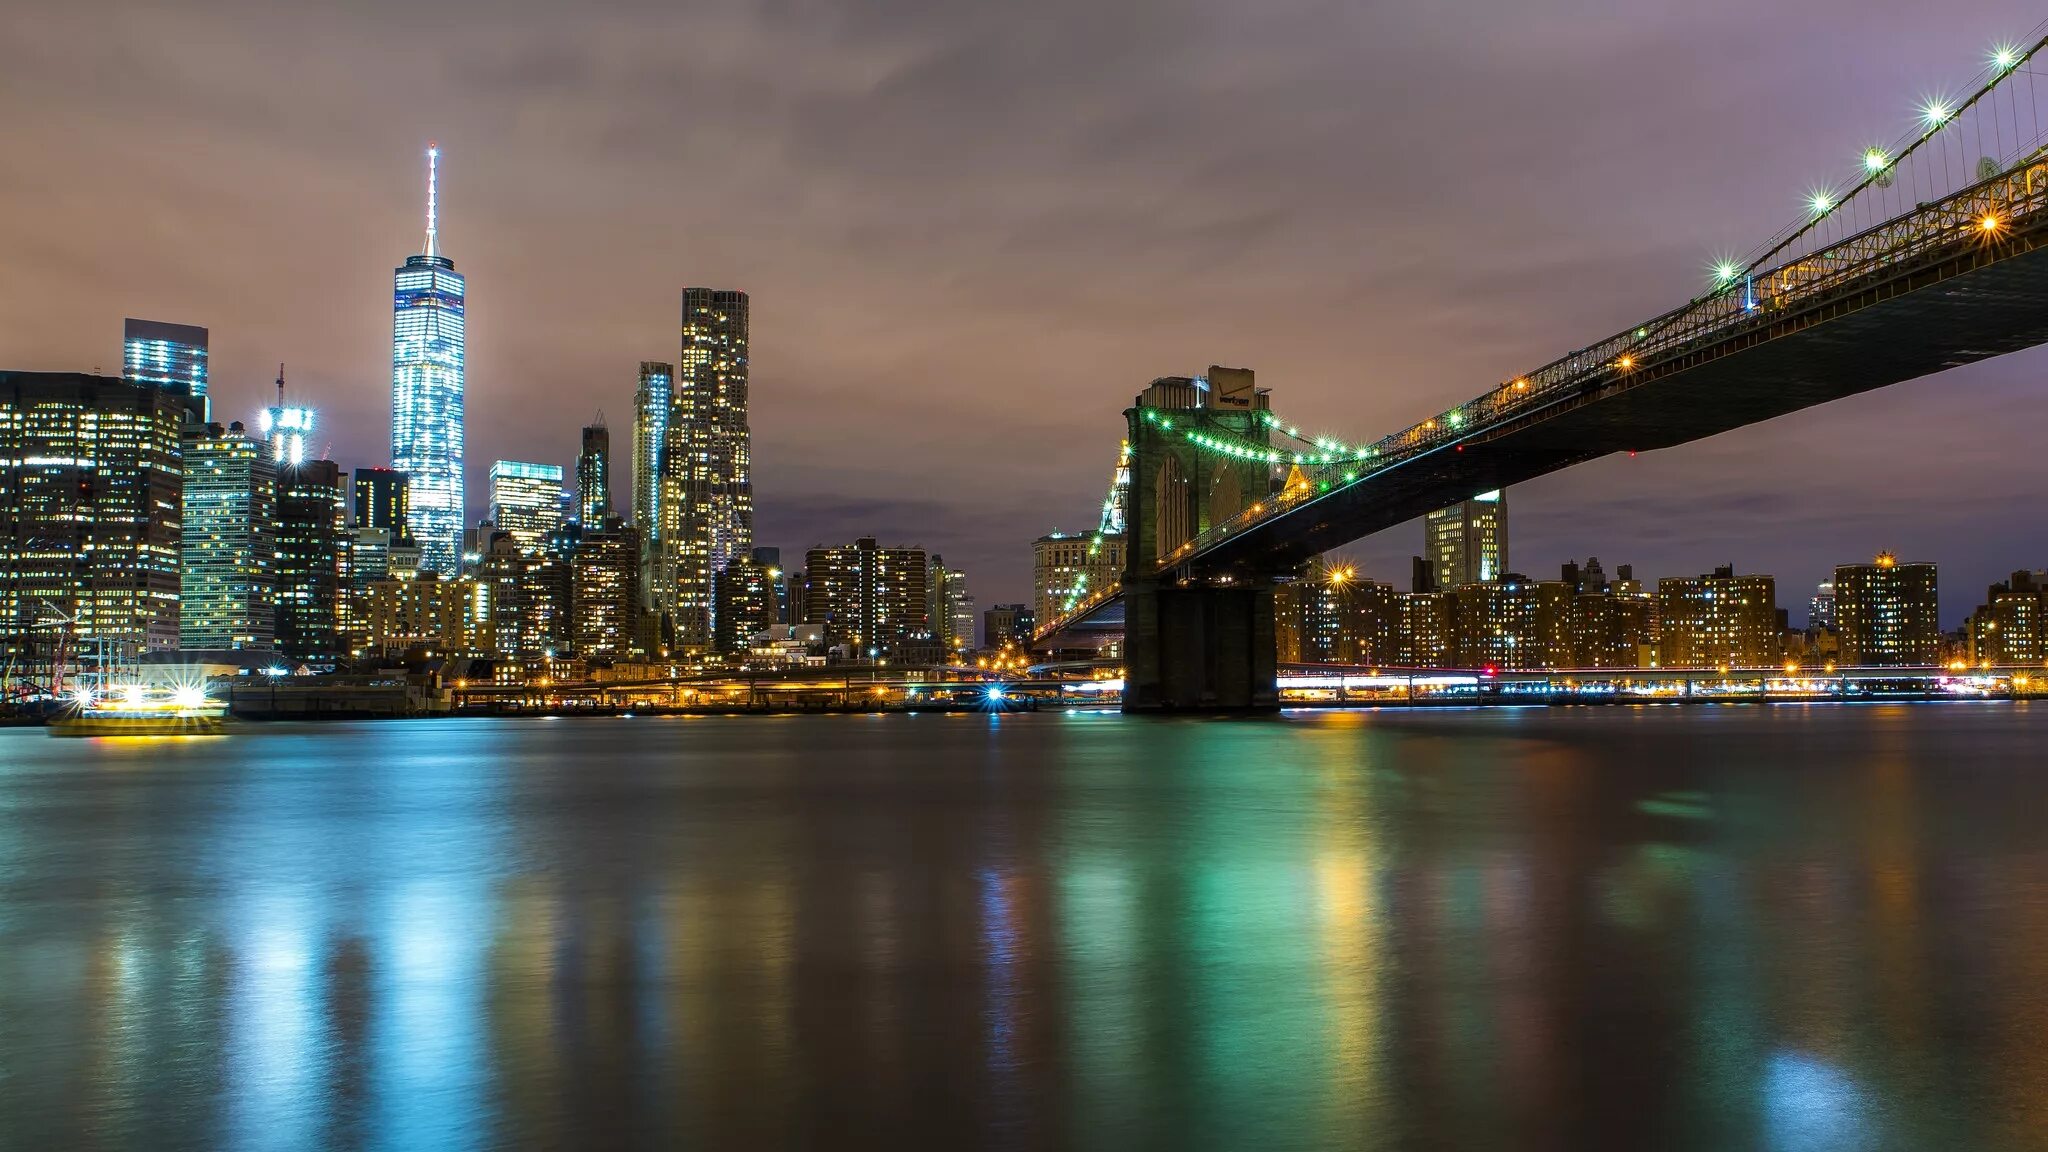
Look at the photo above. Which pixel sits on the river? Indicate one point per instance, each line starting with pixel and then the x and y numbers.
pixel 1799 927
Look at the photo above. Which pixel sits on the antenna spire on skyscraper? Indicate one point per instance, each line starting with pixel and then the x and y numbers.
pixel 433 165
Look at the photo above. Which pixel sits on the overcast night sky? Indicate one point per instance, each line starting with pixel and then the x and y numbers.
pixel 972 232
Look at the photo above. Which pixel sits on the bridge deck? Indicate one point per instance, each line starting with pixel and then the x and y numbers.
pixel 1977 302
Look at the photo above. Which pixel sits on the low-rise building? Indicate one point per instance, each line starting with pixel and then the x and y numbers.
pixel 1515 624
pixel 1012 622
pixel 1335 616
pixel 1429 629
pixel 1718 620
pixel 869 599
pixel 1069 567
pixel 427 615
pixel 2009 627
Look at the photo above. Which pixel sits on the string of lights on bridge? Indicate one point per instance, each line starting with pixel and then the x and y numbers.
pixel 1879 169
pixel 1938 119
pixel 1924 180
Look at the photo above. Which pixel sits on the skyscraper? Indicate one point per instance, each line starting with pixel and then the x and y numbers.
pixel 229 561
pixel 427 378
pixel 526 500
pixel 312 549
pixel 594 476
pixel 1820 611
pixel 89 516
pixel 650 434
pixel 383 500
pixel 171 356
pixel 285 429
pixel 707 492
pixel 1467 543
pixel 952 606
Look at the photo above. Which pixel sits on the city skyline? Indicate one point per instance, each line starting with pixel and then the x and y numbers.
pixel 849 428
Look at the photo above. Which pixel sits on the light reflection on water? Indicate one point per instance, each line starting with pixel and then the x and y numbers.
pixel 1781 928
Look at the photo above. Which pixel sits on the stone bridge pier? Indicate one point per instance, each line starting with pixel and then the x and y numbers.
pixel 1195 643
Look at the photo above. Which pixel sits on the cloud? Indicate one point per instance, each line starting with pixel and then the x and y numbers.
pixel 974 231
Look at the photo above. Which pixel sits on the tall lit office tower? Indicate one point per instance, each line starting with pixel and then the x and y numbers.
pixel 89 484
pixel 427 387
pixel 526 500
pixel 707 489
pixel 650 431
pixel 1467 543
pixel 952 613
pixel 171 356
pixel 229 593
pixel 285 429
pixel 594 476
pixel 312 560
pixel 383 500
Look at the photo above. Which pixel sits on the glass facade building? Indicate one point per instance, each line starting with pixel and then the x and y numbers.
pixel 229 567
pixel 594 477
pixel 427 383
pixel 383 501
pixel 90 483
pixel 285 430
pixel 526 501
pixel 312 560
pixel 650 432
pixel 171 356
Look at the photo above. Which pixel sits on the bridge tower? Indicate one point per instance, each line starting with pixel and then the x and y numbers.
pixel 1198 460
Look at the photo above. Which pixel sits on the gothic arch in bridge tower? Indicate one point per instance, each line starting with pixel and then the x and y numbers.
pixel 1227 491
pixel 1175 507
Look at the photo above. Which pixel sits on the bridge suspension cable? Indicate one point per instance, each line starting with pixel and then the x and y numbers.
pixel 1920 197
pixel 1947 130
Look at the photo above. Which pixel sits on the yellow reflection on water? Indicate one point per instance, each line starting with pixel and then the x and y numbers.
pixel 524 1024
pixel 1351 924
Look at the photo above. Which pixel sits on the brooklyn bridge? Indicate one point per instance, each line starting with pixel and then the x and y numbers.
pixel 1930 255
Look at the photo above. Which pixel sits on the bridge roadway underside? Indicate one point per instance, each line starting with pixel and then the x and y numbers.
pixel 1973 306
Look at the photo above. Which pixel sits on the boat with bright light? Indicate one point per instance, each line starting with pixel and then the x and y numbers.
pixel 135 710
